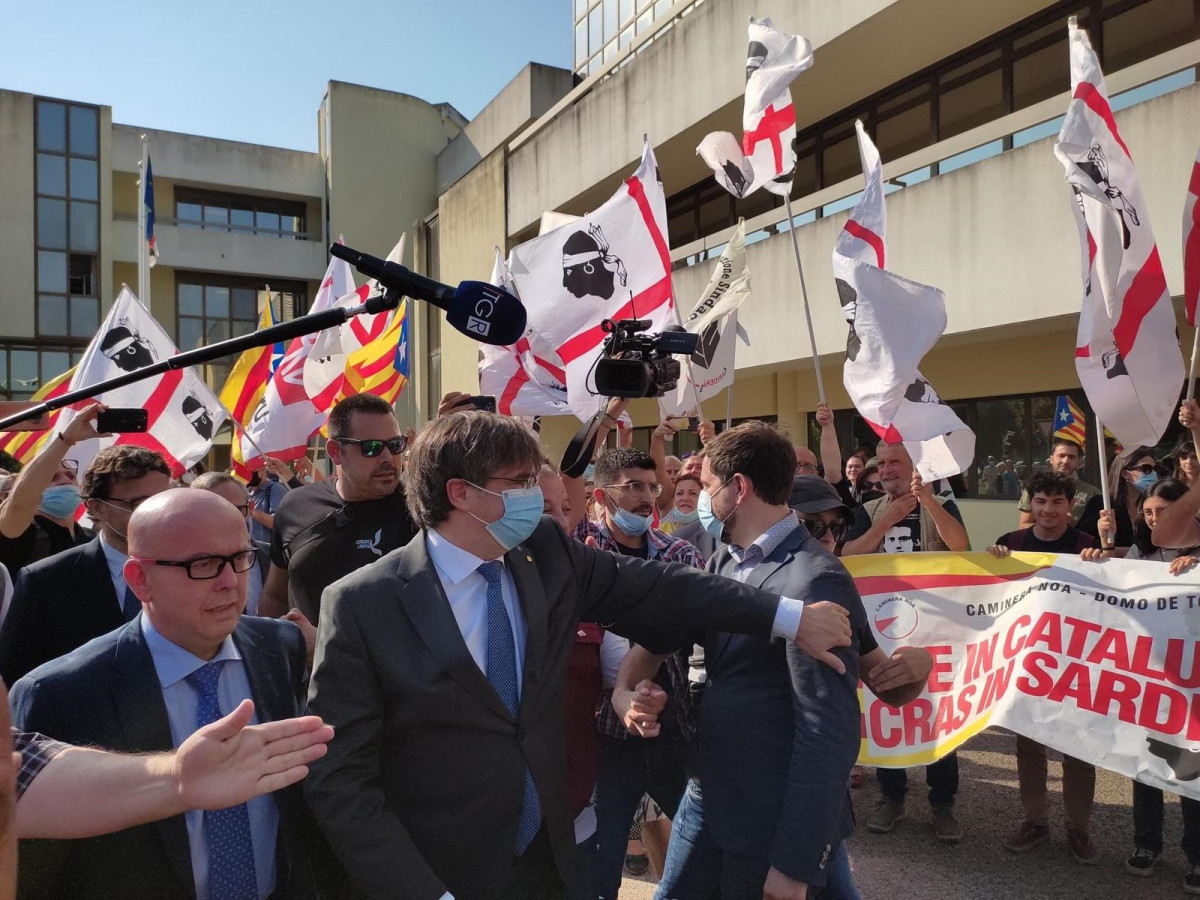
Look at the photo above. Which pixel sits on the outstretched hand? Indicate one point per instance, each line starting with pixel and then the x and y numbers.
pixel 231 761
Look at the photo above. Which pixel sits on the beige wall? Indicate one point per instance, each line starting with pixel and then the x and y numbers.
pixel 17 258
pixel 382 163
pixel 471 223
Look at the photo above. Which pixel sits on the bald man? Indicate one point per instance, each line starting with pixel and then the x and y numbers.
pixel 189 658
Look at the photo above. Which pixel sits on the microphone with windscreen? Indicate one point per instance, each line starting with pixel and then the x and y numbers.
pixel 479 310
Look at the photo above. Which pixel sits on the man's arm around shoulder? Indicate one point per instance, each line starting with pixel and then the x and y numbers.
pixel 344 789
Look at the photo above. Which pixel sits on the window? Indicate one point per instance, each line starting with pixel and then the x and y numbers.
pixel 1012 440
pixel 25 368
pixel 215 211
pixel 212 308
pixel 67 219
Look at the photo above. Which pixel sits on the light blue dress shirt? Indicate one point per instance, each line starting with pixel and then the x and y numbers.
pixel 116 569
pixel 466 590
pixel 173 664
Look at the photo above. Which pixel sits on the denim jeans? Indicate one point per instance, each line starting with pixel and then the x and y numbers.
pixel 1148 822
pixel 941 776
pixel 697 869
pixel 628 769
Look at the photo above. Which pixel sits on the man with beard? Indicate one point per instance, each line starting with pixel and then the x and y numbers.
pixel 330 528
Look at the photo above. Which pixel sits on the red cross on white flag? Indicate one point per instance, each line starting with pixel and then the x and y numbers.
pixel 764 157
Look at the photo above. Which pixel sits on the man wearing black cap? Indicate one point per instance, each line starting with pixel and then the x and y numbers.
pixel 822 509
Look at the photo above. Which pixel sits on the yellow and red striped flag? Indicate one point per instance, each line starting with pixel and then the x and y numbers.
pixel 248 379
pixel 24 445
pixel 381 367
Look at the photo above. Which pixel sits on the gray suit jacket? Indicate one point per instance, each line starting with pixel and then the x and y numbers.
pixel 780 731
pixel 421 789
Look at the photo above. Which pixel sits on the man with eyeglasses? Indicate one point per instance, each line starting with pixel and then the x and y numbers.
pixel 229 488
pixel 626 492
pixel 188 659
pixel 65 600
pixel 328 529
pixel 38 519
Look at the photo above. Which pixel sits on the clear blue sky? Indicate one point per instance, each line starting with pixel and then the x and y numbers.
pixel 256 71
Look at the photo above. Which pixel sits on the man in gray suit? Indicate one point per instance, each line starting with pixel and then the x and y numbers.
pixel 441 668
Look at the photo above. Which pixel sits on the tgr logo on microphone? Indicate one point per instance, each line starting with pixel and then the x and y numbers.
pixel 478 326
pixel 484 308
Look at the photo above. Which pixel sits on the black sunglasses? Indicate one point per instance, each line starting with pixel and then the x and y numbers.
pixel 1144 468
pixel 372 447
pixel 205 567
pixel 818 529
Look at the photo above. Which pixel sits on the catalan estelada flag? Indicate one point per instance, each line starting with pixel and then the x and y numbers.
pixel 248 379
pixel 1069 421
pixel 24 445
pixel 381 367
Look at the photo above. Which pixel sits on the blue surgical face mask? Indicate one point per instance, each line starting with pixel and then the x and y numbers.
pixel 714 526
pixel 1145 481
pixel 60 501
pixel 631 523
pixel 682 518
pixel 522 512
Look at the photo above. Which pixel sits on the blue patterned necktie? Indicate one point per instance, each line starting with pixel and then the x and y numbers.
pixel 231 872
pixel 502 673
pixel 131 605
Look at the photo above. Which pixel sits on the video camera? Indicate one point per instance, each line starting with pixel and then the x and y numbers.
pixel 638 365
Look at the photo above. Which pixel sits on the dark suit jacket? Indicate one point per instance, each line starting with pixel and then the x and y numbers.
pixel 59 603
pixel 264 558
pixel 107 694
pixel 421 789
pixel 780 731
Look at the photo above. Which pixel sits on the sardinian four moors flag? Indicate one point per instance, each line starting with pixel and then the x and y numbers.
pixel 523 383
pixel 286 418
pixel 325 369
pixel 894 322
pixel 183 414
pixel 1126 352
pixel 764 157
pixel 714 318
pixel 611 264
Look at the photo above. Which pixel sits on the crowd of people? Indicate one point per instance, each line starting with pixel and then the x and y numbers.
pixel 445 669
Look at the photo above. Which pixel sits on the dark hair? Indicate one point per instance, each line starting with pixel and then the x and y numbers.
pixel 1062 441
pixel 1187 448
pixel 343 412
pixel 761 453
pixel 1052 484
pixel 124 462
pixel 473 446
pixel 1118 487
pixel 610 463
pixel 1170 489
pixel 863 453
pixel 688 478
pixel 866 473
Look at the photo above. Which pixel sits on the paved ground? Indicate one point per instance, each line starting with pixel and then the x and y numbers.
pixel 910 863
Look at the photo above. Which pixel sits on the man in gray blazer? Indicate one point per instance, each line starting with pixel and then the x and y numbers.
pixel 441 668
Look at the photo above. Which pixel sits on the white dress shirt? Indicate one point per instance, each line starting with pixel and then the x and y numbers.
pixel 116 569
pixel 466 590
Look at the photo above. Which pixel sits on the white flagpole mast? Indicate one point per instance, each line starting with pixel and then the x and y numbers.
pixel 729 406
pixel 1107 541
pixel 812 338
pixel 143 251
pixel 1191 382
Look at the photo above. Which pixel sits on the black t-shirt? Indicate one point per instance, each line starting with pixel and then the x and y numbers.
pixel 318 537
pixel 1072 541
pixel 41 539
pixel 641 552
pixel 903 537
pixel 846 492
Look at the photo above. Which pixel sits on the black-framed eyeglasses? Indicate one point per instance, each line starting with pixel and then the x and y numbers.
pixel 819 528
pixel 243 508
pixel 372 447
pixel 807 468
pixel 202 568
pixel 639 487
pixel 71 465
pixel 872 486
pixel 523 483
pixel 1144 468
pixel 127 505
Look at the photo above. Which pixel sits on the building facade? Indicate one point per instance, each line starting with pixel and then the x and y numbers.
pixel 963 101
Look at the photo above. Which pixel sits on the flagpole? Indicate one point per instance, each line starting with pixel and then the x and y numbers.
pixel 812 338
pixel 141 228
pixel 1106 542
pixel 240 430
pixel 1191 384
pixel 729 406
